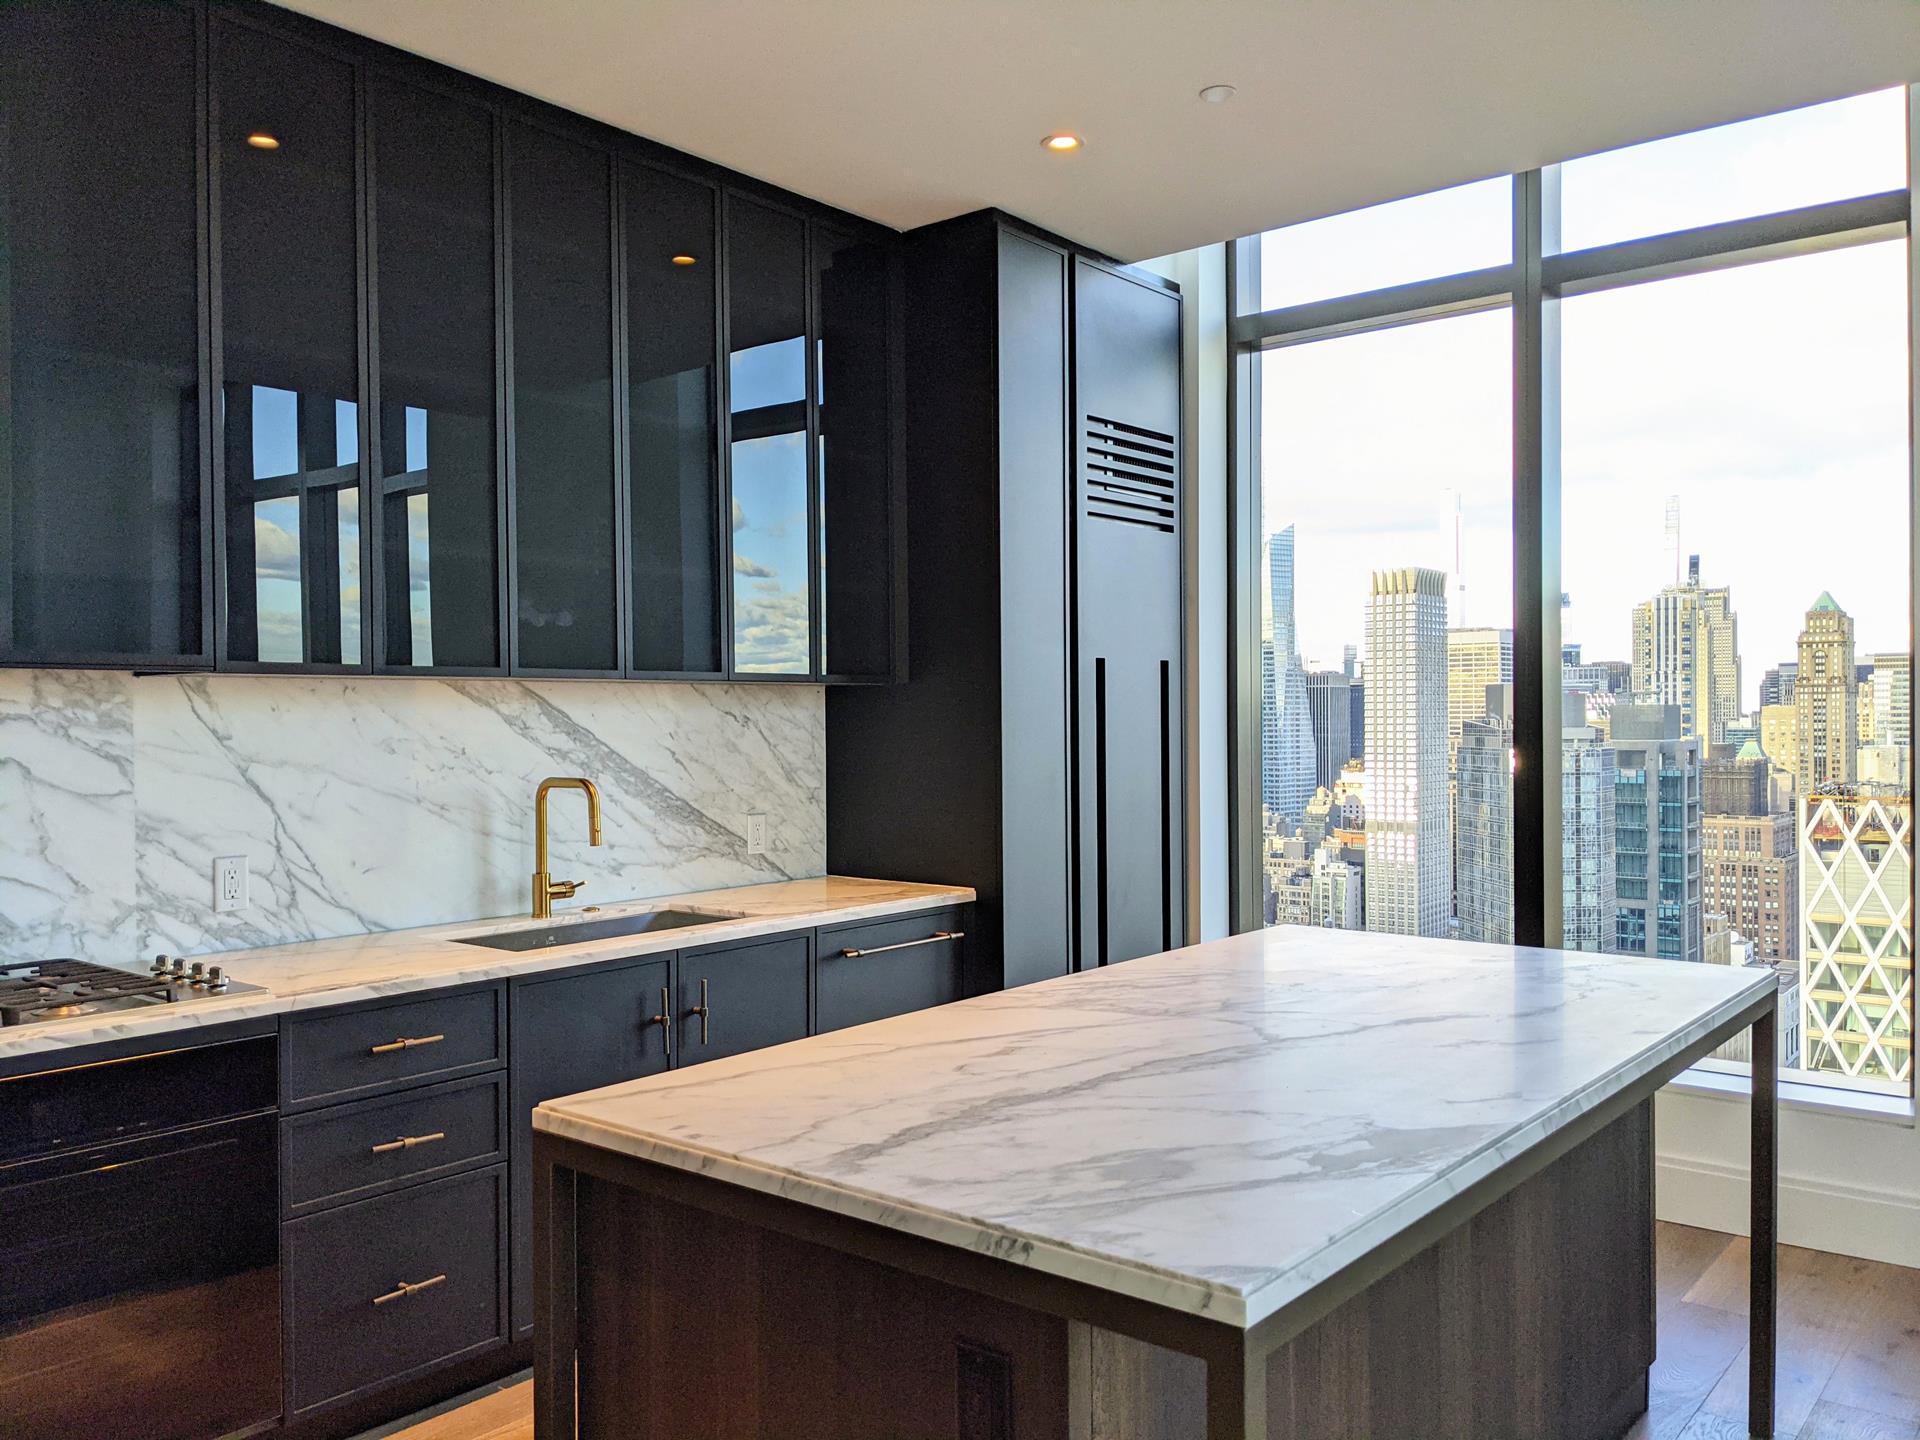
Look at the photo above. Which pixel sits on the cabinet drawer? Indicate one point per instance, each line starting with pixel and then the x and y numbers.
pixel 387 1287
pixel 889 967
pixel 352 1151
pixel 347 1054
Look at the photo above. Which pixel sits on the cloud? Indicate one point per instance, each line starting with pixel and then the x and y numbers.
pixel 770 631
pixel 739 516
pixel 276 551
pixel 743 566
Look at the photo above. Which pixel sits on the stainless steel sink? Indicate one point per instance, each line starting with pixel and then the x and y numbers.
pixel 580 932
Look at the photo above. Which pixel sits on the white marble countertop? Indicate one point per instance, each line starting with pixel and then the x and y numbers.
pixel 396 962
pixel 1216 1129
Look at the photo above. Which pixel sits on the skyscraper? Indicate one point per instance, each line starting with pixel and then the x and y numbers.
pixel 1280 592
pixel 1656 827
pixel 1409 879
pixel 1483 820
pixel 1776 686
pixel 1588 779
pixel 1686 652
pixel 1475 660
pixel 1350 661
pixel 1826 718
pixel 1856 906
pixel 1893 699
pixel 1750 874
pixel 1331 707
pixel 1288 766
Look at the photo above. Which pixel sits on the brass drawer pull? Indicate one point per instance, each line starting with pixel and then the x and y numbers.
pixel 407 1142
pixel 702 1011
pixel 406 1042
pixel 933 939
pixel 407 1288
pixel 664 1019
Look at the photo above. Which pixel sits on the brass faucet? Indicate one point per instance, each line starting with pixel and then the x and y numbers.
pixel 546 889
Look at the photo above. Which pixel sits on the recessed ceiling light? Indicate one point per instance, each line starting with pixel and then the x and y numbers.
pixel 1217 94
pixel 1061 141
pixel 686 260
pixel 261 140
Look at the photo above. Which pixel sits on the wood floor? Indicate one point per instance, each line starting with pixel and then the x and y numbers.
pixel 1849 1352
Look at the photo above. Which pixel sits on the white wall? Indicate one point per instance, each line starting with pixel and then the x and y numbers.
pixel 1847 1184
pixel 373 804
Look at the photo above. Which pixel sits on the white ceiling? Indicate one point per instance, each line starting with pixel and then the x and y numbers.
pixel 909 111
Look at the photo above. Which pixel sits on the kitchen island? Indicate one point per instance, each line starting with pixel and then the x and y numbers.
pixel 1297 1183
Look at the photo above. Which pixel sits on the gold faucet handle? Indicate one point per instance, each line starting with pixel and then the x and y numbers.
pixel 565 889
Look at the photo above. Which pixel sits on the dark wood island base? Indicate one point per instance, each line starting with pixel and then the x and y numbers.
pixel 691 1308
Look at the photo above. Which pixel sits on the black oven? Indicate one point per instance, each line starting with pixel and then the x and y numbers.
pixel 139 1247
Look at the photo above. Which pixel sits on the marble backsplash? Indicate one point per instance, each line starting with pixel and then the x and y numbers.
pixel 375 804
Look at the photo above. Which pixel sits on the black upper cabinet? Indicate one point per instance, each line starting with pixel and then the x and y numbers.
pixel 100 388
pixel 286 208
pixel 767 401
pixel 439 527
pixel 316 357
pixel 856 495
pixel 672 278
pixel 566 541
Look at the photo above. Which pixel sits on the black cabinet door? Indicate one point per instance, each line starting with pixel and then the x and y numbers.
pixel 291 428
pixel 890 967
pixel 672 260
pixel 768 371
pixel 1127 396
pixel 566 537
pixel 743 997
pixel 575 1033
pixel 434 437
pixel 858 607
pixel 100 390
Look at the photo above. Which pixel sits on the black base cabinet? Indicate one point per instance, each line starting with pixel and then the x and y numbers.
pixel 738 998
pixel 572 1033
pixel 388 1148
pixel 888 967
pixel 385 1288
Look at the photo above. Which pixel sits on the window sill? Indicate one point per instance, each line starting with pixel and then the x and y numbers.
pixel 1817 1099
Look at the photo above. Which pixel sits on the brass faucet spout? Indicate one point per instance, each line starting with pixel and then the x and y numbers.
pixel 545 888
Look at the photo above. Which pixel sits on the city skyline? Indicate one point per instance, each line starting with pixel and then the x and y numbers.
pixel 1771 386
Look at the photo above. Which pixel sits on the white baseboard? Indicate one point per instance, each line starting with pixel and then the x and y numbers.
pixel 1818 1214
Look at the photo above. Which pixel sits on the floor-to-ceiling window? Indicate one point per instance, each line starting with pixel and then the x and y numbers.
pixel 1575 561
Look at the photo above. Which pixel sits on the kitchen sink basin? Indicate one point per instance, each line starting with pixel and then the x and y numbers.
pixel 581 931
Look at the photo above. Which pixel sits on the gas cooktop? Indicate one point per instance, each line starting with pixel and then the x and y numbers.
pixel 36 990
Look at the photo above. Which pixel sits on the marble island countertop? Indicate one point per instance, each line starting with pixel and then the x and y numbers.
pixel 366 967
pixel 1216 1130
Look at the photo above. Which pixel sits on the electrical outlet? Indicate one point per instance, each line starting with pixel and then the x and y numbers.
pixel 756 834
pixel 230 883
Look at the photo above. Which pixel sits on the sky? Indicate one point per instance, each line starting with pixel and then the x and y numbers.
pixel 1770 399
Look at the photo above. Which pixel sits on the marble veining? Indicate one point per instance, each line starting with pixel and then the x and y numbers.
pixel 353 968
pixel 1216 1129
pixel 374 804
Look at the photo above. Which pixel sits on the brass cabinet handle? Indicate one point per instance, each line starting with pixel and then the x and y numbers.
pixel 407 1142
pixel 933 939
pixel 405 1042
pixel 664 1019
pixel 702 1011
pixel 406 1288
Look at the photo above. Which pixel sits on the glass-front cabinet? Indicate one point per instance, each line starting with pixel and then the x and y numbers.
pixel 566 545
pixel 289 417
pixel 672 279
pixel 100 380
pixel 767 427
pixel 315 357
pixel 439 526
